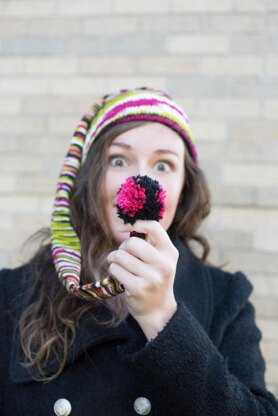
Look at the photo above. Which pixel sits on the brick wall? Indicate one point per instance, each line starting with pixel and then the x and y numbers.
pixel 217 58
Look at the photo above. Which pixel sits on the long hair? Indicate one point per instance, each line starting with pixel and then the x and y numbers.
pixel 48 325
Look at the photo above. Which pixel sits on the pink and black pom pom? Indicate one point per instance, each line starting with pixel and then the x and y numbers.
pixel 140 198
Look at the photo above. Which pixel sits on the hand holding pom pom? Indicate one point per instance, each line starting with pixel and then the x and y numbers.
pixel 146 267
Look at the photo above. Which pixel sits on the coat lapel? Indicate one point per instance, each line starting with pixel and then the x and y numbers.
pixel 191 286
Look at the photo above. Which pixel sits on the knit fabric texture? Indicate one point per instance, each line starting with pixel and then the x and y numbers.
pixel 127 105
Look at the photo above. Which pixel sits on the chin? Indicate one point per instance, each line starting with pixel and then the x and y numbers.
pixel 120 237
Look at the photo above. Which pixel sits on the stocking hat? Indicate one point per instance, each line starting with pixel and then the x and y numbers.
pixel 127 105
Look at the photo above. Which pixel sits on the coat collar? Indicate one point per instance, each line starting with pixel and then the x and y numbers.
pixel 191 286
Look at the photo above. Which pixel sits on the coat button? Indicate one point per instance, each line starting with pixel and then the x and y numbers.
pixel 142 406
pixel 62 407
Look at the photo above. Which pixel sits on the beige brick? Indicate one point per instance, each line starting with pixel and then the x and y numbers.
pixel 218 108
pixel 51 65
pixel 271 5
pixel 84 8
pixel 167 65
pixel 108 65
pixel 55 26
pixel 10 105
pixel 8 145
pixel 250 5
pixel 229 22
pixel 197 44
pixel 19 163
pixel 266 196
pixel 11 27
pixel 209 131
pixel 51 164
pixel 232 195
pixel 266 240
pixel 169 23
pixel 266 307
pixel 11 241
pixel 6 221
pixel 269 328
pixel 250 44
pixel 266 286
pixel 273 388
pixel 202 6
pixel 77 86
pixel 270 350
pixel 7 259
pixel 272 373
pixel 194 89
pixel 263 87
pixel 232 65
pixel 252 261
pixel 64 125
pixel 12 66
pixel 244 219
pixel 146 7
pixel 36 185
pixel 53 145
pixel 211 151
pixel 20 124
pixel 28 225
pixel 7 183
pixel 116 83
pixel 23 86
pixel 111 25
pixel 271 64
pixel 225 239
pixel 251 174
pixel 270 109
pixel 252 149
pixel 29 8
pixel 271 22
pixel 58 105
pixel 248 130
pixel 211 169
pixel 45 207
pixel 12 204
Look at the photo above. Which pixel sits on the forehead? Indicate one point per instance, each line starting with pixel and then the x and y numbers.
pixel 152 135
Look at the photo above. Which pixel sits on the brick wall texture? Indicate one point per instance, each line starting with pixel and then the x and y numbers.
pixel 217 58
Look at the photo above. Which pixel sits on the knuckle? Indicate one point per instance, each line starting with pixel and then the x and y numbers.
pixel 139 291
pixel 131 242
pixel 112 268
pixel 154 283
pixel 118 255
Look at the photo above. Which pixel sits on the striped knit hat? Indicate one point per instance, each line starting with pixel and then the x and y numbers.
pixel 127 105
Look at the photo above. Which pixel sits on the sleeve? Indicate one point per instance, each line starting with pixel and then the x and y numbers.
pixel 183 372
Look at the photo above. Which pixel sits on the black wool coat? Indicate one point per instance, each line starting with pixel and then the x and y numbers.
pixel 206 361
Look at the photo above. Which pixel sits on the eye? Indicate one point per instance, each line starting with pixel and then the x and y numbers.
pixel 164 166
pixel 117 161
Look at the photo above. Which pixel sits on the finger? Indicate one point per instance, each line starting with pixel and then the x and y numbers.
pixel 129 262
pixel 141 249
pixel 155 233
pixel 132 283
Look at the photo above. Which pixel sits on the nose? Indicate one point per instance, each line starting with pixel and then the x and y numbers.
pixel 143 169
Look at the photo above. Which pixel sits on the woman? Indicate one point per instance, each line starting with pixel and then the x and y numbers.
pixel 181 338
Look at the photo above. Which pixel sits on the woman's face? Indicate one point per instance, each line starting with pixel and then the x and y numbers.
pixel 154 150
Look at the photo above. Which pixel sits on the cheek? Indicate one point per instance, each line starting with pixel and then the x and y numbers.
pixel 108 187
pixel 173 193
pixel 172 199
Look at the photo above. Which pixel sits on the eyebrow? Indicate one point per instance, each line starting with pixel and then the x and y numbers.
pixel 158 151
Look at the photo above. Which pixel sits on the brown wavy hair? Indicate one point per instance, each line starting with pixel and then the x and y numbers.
pixel 48 325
